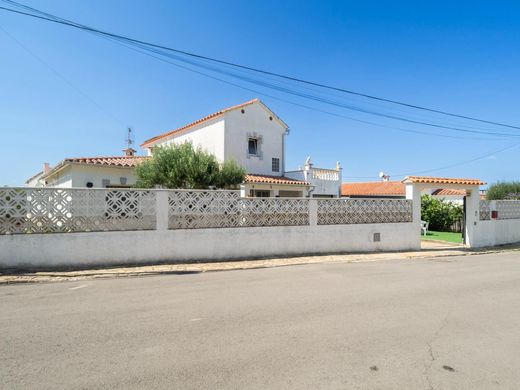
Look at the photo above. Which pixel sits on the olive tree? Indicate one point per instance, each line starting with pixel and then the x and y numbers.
pixel 183 166
pixel 504 190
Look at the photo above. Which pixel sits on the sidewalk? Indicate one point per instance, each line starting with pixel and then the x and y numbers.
pixel 430 249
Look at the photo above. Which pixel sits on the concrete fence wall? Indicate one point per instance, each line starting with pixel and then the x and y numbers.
pixel 497 232
pixel 499 223
pixel 77 227
pixel 140 247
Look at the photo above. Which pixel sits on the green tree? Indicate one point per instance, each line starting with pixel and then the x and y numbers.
pixel 504 190
pixel 440 214
pixel 230 174
pixel 183 166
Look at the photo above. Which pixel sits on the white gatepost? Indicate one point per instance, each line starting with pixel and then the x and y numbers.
pixel 313 212
pixel 472 216
pixel 161 210
pixel 413 193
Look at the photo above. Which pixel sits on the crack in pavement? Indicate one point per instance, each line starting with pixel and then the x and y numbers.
pixel 428 366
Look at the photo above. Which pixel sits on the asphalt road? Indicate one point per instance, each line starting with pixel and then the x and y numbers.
pixel 444 323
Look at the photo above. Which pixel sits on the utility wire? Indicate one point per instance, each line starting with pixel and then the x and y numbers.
pixel 55 19
pixel 147 53
pixel 481 157
pixel 339 104
pixel 72 24
pixel 233 84
pixel 63 78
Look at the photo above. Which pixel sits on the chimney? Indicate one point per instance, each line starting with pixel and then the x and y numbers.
pixel 46 167
pixel 129 152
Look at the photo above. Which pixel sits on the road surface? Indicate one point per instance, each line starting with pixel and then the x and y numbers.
pixel 445 323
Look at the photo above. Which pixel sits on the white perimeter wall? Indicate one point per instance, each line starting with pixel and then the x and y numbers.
pixel 496 232
pixel 131 247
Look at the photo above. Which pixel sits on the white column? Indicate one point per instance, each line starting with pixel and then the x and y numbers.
pixel 413 193
pixel 243 191
pixel 472 216
pixel 313 212
pixel 161 210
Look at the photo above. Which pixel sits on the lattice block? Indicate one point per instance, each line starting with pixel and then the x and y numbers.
pixel 359 211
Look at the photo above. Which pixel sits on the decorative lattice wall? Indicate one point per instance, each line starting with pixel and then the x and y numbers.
pixel 508 209
pixel 51 210
pixel 485 210
pixel 356 211
pixel 218 209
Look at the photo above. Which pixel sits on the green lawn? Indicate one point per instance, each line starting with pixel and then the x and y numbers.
pixel 443 236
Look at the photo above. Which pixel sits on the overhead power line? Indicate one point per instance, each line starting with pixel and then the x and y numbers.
pixel 56 19
pixel 63 78
pixel 460 163
pixel 147 47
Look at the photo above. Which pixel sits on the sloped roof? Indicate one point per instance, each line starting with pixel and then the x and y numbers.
pixel 442 180
pixel 217 114
pixel 266 179
pixel 116 161
pixel 448 192
pixel 376 188
pixel 110 161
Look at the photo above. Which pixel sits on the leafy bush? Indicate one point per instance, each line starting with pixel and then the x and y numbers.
pixel 182 166
pixel 504 190
pixel 440 214
pixel 230 174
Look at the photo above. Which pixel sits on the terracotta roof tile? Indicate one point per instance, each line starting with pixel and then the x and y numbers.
pixel 448 192
pixel 377 188
pixel 181 130
pixel 252 178
pixel 442 180
pixel 117 161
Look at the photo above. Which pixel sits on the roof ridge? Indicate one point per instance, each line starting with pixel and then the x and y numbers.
pixel 200 120
pixel 94 157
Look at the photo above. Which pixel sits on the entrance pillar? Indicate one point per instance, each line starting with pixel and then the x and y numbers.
pixel 472 216
pixel 413 193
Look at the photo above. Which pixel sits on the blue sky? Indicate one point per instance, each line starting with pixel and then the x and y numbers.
pixel 459 56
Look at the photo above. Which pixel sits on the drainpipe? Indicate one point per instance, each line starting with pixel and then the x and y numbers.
pixel 286 132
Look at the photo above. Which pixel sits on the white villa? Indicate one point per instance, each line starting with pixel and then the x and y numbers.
pixel 89 172
pixel 249 133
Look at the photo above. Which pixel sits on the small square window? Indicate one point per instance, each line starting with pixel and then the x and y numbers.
pixel 252 146
pixel 275 165
pixel 122 181
pixel 105 183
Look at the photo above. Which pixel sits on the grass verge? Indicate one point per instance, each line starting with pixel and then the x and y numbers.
pixel 443 236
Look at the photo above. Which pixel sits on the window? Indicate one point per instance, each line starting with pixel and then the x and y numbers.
pixel 122 180
pixel 259 193
pixel 252 146
pixel 105 183
pixel 275 165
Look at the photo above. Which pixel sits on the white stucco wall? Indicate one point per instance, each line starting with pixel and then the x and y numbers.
pixel 62 179
pixel 81 174
pixel 131 247
pixel 35 181
pixel 455 199
pixel 208 135
pixel 496 232
pixel 254 120
pixel 77 175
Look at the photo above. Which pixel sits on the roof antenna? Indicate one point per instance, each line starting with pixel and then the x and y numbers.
pixel 383 176
pixel 129 151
